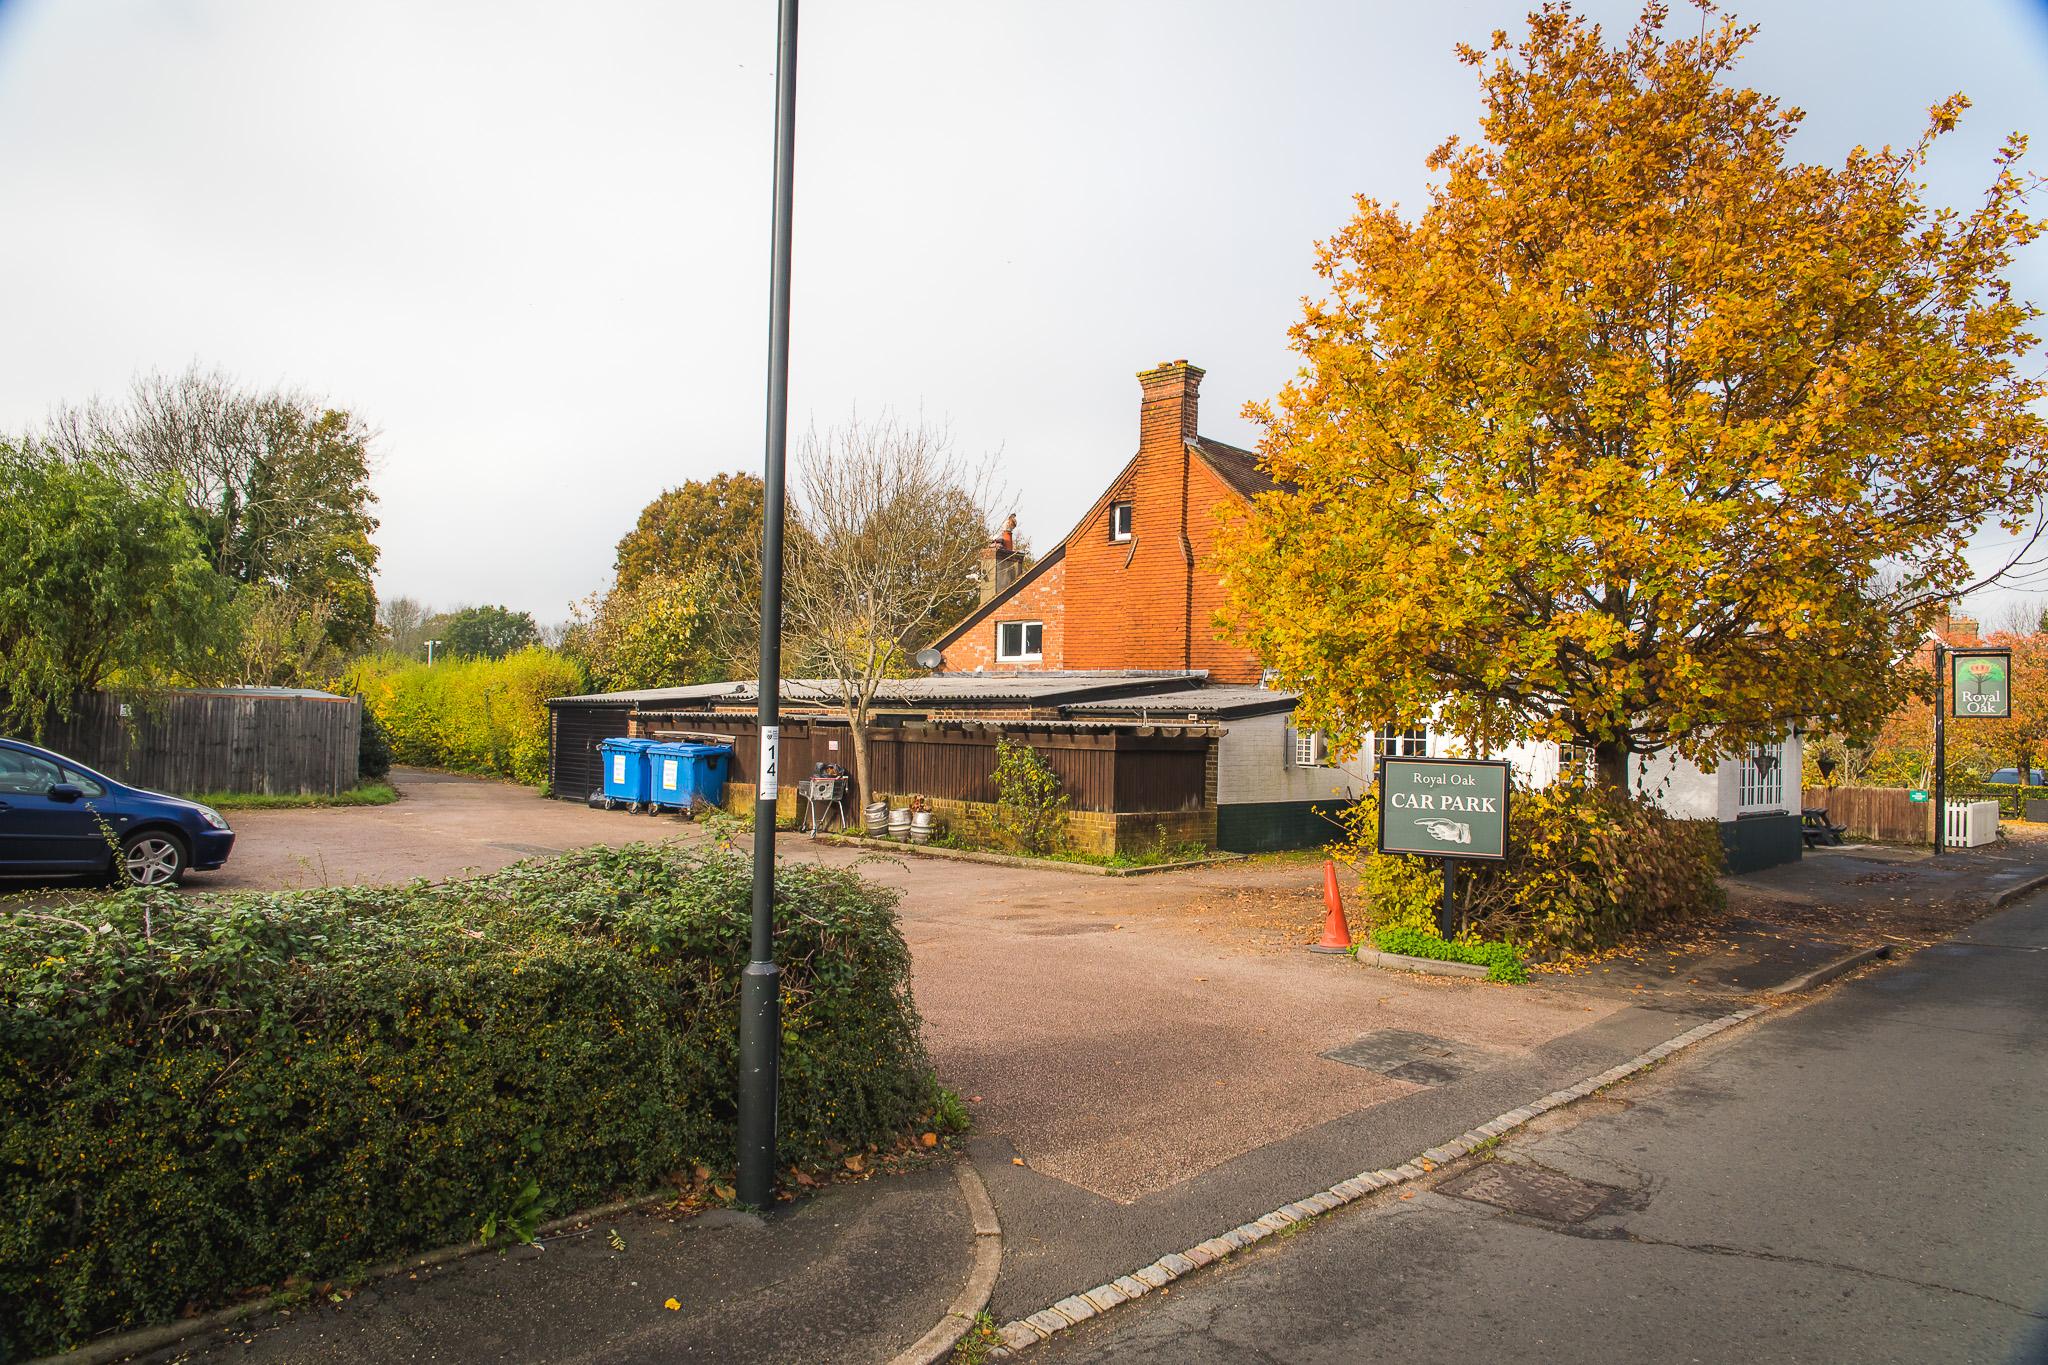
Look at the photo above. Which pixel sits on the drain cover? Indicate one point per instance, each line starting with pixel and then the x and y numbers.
pixel 1532 1191
pixel 1408 1056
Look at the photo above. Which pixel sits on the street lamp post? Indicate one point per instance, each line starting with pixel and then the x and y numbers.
pixel 430 650
pixel 760 1004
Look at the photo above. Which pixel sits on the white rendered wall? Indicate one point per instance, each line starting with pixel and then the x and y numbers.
pixel 1252 766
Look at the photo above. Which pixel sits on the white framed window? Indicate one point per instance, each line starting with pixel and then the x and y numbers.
pixel 1308 748
pixel 1020 641
pixel 1412 742
pixel 1120 521
pixel 1763 778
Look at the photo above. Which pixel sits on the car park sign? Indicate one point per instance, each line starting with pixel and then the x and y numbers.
pixel 1444 808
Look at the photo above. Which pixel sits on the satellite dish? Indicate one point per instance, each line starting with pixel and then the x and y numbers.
pixel 929 658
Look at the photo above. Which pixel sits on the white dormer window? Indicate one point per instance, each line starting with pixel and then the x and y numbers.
pixel 1120 521
pixel 1020 642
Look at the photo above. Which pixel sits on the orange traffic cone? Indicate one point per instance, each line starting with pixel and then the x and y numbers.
pixel 1336 931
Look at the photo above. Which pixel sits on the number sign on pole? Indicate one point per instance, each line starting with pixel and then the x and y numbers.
pixel 1980 683
pixel 1452 809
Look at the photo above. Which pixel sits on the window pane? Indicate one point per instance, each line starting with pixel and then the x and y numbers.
pixel 1034 638
pixel 84 783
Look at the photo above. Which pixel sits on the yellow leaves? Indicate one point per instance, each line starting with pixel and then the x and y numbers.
pixel 1629 420
pixel 672 1305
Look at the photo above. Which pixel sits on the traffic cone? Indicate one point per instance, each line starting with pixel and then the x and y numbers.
pixel 1336 931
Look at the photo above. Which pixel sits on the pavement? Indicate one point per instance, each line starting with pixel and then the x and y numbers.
pixel 857 1272
pixel 1148 1060
pixel 1858 1179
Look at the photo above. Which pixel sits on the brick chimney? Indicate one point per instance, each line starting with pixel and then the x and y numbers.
pixel 1002 563
pixel 1167 411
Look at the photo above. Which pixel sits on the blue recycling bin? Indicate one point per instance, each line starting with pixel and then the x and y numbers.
pixel 682 775
pixel 626 772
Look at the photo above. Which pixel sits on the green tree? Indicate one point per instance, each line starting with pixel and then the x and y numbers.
pixel 102 583
pixel 652 634
pixel 707 532
pixel 277 482
pixel 488 632
pixel 1642 435
pixel 698 523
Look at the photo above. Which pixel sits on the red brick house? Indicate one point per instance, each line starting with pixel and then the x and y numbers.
pixel 1130 587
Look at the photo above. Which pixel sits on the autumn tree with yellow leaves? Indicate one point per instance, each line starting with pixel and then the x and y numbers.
pixel 1643 435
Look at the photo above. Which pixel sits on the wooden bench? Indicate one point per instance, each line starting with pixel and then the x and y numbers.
pixel 1813 824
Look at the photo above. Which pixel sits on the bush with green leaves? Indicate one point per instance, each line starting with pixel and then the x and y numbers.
pixel 206 1095
pixel 1585 867
pixel 1030 814
pixel 472 715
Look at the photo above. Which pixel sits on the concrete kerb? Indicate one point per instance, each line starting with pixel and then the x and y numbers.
pixel 1028 1331
pixel 1828 971
pixel 973 1297
pixel 1429 966
pixel 2013 893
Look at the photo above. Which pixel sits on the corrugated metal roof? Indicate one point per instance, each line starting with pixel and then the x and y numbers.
pixel 1196 701
pixel 1045 688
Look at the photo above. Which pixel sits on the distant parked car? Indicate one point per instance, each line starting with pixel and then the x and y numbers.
pixel 60 818
pixel 2010 777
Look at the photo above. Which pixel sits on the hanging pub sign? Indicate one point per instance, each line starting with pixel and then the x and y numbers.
pixel 1980 683
pixel 1444 807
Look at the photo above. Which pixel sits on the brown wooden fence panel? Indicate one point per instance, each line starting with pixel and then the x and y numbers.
pixel 1886 813
pixel 1098 770
pixel 192 742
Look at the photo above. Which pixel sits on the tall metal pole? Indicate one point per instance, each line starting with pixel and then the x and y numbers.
pixel 760 1003
pixel 1940 746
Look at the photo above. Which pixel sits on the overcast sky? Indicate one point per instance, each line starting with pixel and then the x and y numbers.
pixel 528 242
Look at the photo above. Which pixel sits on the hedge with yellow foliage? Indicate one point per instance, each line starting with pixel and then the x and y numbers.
pixel 472 715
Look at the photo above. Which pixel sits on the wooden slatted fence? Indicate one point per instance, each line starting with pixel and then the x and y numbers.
pixel 232 740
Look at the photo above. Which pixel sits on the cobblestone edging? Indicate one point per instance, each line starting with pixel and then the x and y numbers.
pixel 1078 1308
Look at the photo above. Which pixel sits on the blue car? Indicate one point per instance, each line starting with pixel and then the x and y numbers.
pixel 60 818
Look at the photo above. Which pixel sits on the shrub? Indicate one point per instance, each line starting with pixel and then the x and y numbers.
pixel 473 715
pixel 1584 868
pixel 373 750
pixel 208 1095
pixel 1030 814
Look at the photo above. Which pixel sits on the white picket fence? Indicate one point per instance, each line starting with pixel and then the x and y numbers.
pixel 1971 824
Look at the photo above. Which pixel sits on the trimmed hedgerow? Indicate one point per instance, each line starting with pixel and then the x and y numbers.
pixel 208 1095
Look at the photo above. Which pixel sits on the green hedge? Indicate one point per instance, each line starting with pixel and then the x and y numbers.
pixel 472 715
pixel 208 1095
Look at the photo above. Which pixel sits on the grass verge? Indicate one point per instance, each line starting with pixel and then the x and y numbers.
pixel 368 794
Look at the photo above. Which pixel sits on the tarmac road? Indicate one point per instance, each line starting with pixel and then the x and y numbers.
pixel 1859 1180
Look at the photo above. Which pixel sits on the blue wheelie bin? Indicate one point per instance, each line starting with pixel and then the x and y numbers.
pixel 684 775
pixel 625 773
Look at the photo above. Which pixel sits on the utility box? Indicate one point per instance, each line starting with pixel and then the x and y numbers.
pixel 685 774
pixel 625 772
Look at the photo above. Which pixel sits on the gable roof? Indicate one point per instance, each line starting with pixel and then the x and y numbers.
pixel 1236 467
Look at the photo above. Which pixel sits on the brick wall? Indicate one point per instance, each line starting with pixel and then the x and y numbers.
pixel 1149 602
pixel 1099 833
pixel 1043 600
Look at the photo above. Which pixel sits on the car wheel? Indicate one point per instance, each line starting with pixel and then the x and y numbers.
pixel 152 858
